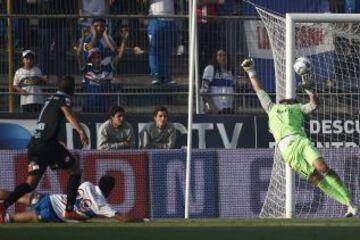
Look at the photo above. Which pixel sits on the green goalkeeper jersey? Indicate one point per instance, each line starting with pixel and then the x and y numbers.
pixel 286 120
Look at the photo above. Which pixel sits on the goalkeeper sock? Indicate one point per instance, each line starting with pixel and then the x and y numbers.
pixel 337 183
pixel 72 189
pixel 332 185
pixel 18 192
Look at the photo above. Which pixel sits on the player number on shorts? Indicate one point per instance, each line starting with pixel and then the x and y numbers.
pixel 40 126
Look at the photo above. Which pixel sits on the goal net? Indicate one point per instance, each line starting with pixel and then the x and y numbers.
pixel 333 47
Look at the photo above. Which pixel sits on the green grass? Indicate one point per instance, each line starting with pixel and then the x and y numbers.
pixel 218 229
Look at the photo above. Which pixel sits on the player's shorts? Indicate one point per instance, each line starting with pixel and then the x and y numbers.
pixel 300 155
pixel 41 155
pixel 44 209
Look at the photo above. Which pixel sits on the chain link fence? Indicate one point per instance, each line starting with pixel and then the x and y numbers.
pixel 58 33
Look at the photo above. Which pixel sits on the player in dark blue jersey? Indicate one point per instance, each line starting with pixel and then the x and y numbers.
pixel 45 150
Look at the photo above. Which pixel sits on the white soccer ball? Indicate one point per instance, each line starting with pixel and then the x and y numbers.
pixel 302 65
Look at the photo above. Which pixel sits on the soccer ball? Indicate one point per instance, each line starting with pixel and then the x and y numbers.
pixel 302 65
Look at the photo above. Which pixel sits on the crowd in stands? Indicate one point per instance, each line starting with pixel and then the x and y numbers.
pixel 100 43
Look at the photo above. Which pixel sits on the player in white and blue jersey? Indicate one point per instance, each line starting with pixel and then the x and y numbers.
pixel 90 203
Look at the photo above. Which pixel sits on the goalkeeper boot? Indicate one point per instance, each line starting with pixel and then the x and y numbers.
pixel 72 215
pixel 351 211
pixel 2 213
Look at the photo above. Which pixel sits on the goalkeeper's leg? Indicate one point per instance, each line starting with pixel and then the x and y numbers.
pixel 331 184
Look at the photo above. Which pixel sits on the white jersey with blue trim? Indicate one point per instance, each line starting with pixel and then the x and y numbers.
pixel 220 83
pixel 90 203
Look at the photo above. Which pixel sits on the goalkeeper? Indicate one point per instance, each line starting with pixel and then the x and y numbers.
pixel 286 125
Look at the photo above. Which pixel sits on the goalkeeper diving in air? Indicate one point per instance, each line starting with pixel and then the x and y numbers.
pixel 286 125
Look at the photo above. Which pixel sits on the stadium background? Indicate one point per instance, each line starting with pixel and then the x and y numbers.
pixel 230 172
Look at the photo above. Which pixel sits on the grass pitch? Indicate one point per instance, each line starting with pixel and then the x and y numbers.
pixel 216 229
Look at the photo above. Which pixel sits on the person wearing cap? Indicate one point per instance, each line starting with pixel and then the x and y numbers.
pixel 28 81
pixel 116 133
pixel 98 80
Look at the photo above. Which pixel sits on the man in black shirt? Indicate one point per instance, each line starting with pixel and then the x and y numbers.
pixel 45 150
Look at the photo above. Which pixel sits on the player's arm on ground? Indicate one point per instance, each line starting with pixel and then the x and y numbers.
pixel 75 123
pixel 249 67
pixel 123 218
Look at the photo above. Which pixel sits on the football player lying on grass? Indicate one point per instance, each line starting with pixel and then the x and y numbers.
pixel 90 203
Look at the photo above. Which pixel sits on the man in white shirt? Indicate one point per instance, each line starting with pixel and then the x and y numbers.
pixel 28 81
pixel 90 203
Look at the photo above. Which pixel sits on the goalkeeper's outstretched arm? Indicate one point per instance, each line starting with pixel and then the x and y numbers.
pixel 249 67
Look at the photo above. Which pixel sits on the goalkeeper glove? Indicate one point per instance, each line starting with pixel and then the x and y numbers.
pixel 249 67
pixel 306 84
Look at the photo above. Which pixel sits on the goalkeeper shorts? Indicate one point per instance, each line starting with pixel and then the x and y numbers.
pixel 300 155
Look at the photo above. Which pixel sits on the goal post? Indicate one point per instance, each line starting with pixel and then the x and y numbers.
pixel 290 47
pixel 290 93
pixel 332 42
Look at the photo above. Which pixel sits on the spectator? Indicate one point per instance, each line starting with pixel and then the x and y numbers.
pixel 116 133
pixel 28 80
pixel 54 35
pixel 181 9
pixel 159 134
pixel 98 77
pixel 233 33
pixel 351 6
pixel 218 78
pixel 162 40
pixel 133 25
pixel 209 33
pixel 336 6
pixel 96 8
pixel 99 38
pixel 79 48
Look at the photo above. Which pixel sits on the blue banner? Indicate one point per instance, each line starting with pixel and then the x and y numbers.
pixel 167 184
